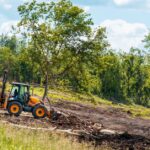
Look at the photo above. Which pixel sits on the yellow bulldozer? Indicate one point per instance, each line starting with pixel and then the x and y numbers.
pixel 19 99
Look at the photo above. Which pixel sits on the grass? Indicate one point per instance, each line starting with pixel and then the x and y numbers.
pixel 12 138
pixel 55 95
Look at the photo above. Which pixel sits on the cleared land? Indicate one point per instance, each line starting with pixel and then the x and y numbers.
pixel 89 122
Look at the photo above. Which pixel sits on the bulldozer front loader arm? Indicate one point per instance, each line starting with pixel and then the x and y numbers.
pixel 4 81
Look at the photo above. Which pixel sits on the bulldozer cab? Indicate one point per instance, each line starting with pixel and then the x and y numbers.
pixel 20 92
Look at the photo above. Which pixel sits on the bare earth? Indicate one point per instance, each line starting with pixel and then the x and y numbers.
pixel 135 131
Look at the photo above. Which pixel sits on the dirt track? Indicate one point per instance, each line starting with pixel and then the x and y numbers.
pixel 136 131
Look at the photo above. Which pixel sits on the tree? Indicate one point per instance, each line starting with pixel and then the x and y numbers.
pixel 9 41
pixel 7 60
pixel 111 77
pixel 54 29
pixel 134 76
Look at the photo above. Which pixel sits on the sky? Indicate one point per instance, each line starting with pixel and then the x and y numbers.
pixel 126 21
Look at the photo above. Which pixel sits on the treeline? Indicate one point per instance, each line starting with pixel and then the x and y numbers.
pixel 58 46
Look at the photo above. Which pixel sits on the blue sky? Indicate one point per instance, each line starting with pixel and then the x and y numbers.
pixel 127 21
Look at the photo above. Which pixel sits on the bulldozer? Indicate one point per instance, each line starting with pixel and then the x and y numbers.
pixel 19 100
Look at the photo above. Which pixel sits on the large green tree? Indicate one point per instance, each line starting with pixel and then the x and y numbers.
pixel 61 41
pixel 134 76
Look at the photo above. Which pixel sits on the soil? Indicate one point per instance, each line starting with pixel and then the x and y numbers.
pixel 130 133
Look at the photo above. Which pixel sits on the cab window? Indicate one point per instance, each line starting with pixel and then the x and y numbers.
pixel 23 90
pixel 14 91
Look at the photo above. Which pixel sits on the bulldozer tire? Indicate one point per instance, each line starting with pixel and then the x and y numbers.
pixel 14 108
pixel 39 111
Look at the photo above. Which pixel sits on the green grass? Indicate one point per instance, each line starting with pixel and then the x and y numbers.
pixel 55 95
pixel 12 138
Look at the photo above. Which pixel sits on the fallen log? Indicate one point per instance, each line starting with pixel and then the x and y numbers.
pixel 68 131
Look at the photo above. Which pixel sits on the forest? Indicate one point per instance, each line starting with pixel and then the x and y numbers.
pixel 56 43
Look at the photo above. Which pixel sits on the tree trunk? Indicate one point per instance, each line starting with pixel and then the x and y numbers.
pixel 46 87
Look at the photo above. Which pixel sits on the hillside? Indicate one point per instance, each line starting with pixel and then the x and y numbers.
pixel 121 127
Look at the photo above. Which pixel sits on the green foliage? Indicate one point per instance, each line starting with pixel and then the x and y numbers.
pixel 134 77
pixel 59 42
pixel 7 59
pixel 111 77
pixel 10 42
pixel 55 29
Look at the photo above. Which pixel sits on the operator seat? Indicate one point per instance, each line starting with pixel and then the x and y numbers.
pixel 15 92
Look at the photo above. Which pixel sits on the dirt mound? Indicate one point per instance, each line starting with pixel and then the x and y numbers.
pixel 110 118
pixel 69 121
pixel 92 132
pixel 120 142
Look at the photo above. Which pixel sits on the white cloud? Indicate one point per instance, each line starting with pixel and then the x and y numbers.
pixel 86 8
pixel 124 35
pixel 6 27
pixel 123 2
pixel 148 4
pixel 5 4
pixel 134 4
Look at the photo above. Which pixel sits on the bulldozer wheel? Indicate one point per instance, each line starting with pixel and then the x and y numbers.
pixel 39 111
pixel 14 108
